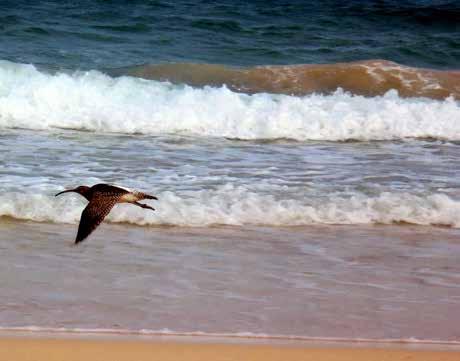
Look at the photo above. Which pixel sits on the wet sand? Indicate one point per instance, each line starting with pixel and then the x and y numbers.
pixel 374 282
pixel 58 348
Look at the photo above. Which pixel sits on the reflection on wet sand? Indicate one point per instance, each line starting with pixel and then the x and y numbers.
pixel 323 281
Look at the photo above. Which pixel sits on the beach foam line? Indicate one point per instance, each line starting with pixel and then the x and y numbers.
pixel 238 205
pixel 93 101
pixel 237 335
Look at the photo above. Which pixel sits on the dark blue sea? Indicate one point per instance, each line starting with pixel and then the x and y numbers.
pixel 109 34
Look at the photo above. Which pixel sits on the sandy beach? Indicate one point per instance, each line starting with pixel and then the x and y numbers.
pixel 119 348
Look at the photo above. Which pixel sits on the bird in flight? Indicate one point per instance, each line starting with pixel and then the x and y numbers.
pixel 102 198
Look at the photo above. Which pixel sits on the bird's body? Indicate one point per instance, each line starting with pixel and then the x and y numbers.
pixel 102 197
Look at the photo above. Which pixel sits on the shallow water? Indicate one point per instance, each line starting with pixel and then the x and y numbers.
pixel 391 282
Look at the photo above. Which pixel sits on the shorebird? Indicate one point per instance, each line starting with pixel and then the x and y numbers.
pixel 102 198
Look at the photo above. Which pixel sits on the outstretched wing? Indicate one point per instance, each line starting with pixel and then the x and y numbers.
pixel 93 215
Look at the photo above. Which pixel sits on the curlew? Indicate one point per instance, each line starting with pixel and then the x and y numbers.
pixel 102 198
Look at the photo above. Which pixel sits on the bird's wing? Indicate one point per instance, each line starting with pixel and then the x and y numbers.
pixel 93 215
pixel 109 189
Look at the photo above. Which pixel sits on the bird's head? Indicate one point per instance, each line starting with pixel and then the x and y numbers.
pixel 83 190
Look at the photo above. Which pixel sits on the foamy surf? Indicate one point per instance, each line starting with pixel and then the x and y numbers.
pixel 230 205
pixel 95 102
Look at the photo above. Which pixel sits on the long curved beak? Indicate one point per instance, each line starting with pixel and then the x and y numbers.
pixel 69 190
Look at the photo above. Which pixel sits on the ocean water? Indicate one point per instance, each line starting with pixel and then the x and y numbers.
pixel 305 156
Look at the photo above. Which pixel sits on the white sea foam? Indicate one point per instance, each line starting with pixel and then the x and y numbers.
pixel 239 335
pixel 93 101
pixel 229 205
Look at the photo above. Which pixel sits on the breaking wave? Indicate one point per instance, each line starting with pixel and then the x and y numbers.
pixel 93 101
pixel 230 205
pixel 369 78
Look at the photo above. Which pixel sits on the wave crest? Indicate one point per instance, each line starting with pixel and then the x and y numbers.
pixel 368 78
pixel 93 101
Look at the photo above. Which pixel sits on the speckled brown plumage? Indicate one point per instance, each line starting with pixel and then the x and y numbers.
pixel 102 198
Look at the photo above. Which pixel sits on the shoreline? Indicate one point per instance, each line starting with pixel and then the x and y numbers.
pixel 198 336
